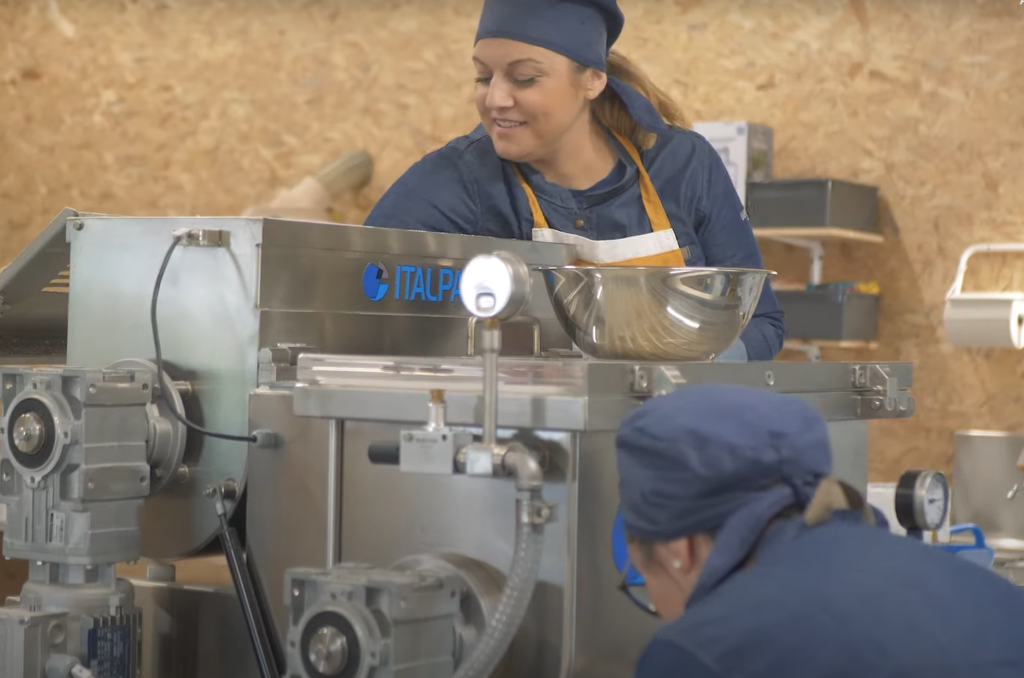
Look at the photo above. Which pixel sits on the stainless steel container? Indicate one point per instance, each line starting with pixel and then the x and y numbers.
pixel 984 473
pixel 653 313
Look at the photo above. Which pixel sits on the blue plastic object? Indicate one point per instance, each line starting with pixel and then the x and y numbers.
pixel 977 552
pixel 620 552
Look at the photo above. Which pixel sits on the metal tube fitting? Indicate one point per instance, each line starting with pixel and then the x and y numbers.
pixel 522 464
pixel 436 411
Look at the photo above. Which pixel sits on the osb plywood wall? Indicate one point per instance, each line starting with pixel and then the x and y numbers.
pixel 207 107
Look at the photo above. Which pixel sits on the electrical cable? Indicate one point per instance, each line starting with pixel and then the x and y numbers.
pixel 160 359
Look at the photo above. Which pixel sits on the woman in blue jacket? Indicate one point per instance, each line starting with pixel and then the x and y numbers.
pixel 577 146
pixel 765 567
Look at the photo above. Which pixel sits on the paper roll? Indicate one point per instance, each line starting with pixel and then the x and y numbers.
pixel 992 319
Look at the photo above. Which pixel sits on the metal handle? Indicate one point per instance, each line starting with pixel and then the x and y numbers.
pixel 384 452
pixel 961 268
pixel 471 333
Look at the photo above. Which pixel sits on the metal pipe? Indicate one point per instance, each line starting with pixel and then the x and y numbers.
pixel 334 481
pixel 491 340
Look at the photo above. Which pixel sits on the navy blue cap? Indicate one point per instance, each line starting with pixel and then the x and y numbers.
pixel 718 458
pixel 581 30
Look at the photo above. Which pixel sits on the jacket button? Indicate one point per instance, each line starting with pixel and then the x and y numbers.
pixel 578 223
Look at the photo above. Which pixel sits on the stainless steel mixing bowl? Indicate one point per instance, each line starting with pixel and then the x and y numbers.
pixel 653 313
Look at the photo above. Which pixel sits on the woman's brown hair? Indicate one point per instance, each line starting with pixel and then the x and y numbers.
pixel 609 110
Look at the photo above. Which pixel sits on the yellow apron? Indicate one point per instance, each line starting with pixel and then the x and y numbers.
pixel 657 248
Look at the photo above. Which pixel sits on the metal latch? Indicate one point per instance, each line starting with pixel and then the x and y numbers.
pixel 655 381
pixel 888 400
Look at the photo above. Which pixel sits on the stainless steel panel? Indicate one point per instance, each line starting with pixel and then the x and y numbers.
pixel 282 233
pixel 563 413
pixel 984 472
pixel 582 376
pixel 850 452
pixel 388 515
pixel 569 395
pixel 208 332
pixel 193 632
pixel 388 334
pixel 327 280
pixel 610 631
pixel 292 489
pixel 34 298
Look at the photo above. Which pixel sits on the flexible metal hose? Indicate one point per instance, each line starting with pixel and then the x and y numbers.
pixel 515 596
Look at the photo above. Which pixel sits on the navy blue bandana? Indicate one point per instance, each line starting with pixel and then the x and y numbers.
pixel 581 30
pixel 718 458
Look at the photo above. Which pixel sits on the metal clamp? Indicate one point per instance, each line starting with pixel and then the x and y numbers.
pixel 538 512
pixel 471 333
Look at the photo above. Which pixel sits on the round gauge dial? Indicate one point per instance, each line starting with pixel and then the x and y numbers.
pixel 922 500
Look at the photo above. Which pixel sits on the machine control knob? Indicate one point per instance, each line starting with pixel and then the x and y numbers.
pixel 328 651
pixel 28 433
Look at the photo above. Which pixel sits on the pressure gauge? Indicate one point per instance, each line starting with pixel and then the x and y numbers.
pixel 495 285
pixel 922 501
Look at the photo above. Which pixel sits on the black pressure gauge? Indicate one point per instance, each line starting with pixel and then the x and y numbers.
pixel 922 501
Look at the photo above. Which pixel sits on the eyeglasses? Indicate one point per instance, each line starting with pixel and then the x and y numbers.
pixel 640 600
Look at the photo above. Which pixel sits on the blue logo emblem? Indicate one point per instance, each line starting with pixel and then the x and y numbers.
pixel 412 283
pixel 374 277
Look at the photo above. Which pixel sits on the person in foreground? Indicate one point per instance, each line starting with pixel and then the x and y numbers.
pixel 578 146
pixel 763 565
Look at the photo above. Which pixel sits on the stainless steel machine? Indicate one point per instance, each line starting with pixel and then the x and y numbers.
pixel 400 426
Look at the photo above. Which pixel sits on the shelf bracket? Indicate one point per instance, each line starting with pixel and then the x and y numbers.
pixel 816 252
pixel 812 352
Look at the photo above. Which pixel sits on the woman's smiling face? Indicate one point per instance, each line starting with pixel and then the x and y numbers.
pixel 530 98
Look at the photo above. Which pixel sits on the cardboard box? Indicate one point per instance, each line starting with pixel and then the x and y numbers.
pixel 746 148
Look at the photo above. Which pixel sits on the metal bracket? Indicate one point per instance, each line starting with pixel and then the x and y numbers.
pixel 812 351
pixel 206 237
pixel 524 319
pixel 888 401
pixel 878 379
pixel 655 381
pixel 278 364
pixel 817 253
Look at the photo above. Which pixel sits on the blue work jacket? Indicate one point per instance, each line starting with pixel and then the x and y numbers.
pixel 846 600
pixel 464 187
